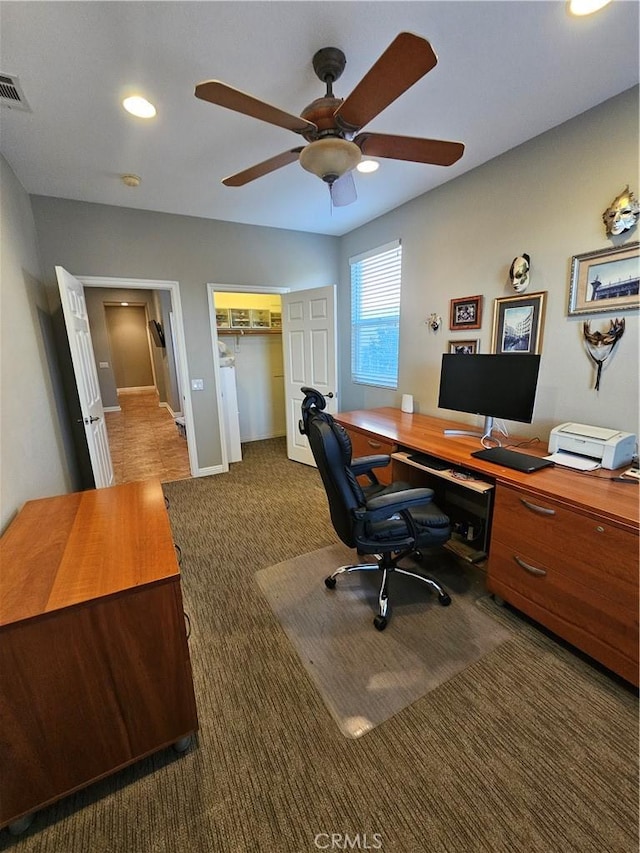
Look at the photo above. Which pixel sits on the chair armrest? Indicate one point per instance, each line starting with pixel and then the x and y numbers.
pixel 384 506
pixel 365 463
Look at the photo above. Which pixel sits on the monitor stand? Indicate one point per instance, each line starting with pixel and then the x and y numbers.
pixel 484 435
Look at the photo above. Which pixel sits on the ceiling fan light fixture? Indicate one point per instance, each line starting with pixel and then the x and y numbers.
pixel 367 166
pixel 330 158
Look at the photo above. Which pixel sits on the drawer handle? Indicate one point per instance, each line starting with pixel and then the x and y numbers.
pixel 374 444
pixel 543 510
pixel 531 569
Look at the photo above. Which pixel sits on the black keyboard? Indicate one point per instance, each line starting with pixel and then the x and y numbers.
pixel 429 461
pixel 512 459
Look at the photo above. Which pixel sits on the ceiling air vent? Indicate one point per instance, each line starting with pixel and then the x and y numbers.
pixel 11 94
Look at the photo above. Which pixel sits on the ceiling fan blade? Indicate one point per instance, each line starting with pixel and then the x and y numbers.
pixel 433 151
pixel 260 169
pixel 233 99
pixel 404 62
pixel 343 191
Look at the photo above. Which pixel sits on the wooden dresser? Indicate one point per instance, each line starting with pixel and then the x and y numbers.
pixel 94 664
pixel 563 546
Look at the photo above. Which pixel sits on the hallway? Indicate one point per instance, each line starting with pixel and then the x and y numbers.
pixel 144 441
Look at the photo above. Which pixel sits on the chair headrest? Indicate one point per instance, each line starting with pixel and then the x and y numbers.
pixel 312 400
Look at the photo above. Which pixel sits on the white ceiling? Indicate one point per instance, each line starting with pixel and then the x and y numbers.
pixel 507 71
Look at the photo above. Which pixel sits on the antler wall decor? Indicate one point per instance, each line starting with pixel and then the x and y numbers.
pixel 600 345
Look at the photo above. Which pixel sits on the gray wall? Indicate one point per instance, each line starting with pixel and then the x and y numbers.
pixel 34 461
pixel 99 240
pixel 546 198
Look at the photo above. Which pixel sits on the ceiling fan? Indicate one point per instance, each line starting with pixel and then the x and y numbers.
pixel 331 125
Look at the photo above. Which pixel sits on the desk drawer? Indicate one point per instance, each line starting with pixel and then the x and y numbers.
pixel 596 554
pixel 604 627
pixel 367 445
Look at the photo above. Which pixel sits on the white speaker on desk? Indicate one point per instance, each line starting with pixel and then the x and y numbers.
pixel 407 403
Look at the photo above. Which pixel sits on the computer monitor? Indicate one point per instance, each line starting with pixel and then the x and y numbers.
pixel 496 386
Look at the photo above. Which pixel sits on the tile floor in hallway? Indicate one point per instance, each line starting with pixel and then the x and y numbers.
pixel 144 441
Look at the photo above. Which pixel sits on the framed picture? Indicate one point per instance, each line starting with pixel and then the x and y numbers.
pixel 605 280
pixel 465 313
pixel 464 347
pixel 517 323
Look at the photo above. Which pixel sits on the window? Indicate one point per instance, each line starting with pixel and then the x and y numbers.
pixel 375 316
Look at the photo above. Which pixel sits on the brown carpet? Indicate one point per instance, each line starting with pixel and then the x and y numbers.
pixel 365 676
pixel 531 749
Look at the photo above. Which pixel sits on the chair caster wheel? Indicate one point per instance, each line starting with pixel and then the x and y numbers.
pixel 444 599
pixel 330 582
pixel 380 622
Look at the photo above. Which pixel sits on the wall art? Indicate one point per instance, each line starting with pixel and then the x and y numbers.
pixel 517 323
pixel 605 280
pixel 465 313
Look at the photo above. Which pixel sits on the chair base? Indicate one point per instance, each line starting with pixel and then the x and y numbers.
pixel 386 567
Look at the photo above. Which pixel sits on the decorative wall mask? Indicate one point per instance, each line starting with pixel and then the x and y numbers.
pixel 519 273
pixel 600 345
pixel 434 322
pixel 623 213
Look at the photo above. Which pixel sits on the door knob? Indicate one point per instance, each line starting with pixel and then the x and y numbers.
pixel 330 394
pixel 90 420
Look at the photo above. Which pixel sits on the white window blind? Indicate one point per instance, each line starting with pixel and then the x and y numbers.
pixel 375 315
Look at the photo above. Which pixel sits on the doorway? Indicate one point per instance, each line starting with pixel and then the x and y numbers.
pixel 246 334
pixel 168 307
pixel 307 321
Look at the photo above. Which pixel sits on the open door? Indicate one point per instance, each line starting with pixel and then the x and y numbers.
pixel 86 374
pixel 310 358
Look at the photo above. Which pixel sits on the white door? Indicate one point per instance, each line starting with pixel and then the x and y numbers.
pixel 84 366
pixel 309 341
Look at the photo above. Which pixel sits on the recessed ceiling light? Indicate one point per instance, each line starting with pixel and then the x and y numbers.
pixel 139 106
pixel 124 304
pixel 586 7
pixel 368 166
pixel 131 180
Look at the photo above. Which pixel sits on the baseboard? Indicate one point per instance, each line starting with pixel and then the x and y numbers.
pixel 173 414
pixel 262 437
pixel 213 469
pixel 137 389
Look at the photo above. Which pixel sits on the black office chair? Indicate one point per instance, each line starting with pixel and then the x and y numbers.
pixel 392 522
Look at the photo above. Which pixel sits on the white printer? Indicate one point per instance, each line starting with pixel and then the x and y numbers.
pixel 610 447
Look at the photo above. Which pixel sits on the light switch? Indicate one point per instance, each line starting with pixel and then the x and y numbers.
pixel 197 384
pixel 103 364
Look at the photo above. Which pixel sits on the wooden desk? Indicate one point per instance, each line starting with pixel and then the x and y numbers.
pixel 94 663
pixel 563 547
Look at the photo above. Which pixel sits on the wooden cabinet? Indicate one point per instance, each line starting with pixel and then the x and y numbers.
pixel 94 663
pixel 363 444
pixel 575 573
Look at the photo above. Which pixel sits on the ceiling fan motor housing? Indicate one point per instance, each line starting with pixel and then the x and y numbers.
pixel 329 63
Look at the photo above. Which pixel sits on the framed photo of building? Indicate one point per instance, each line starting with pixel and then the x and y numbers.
pixel 465 313
pixel 464 347
pixel 517 323
pixel 605 280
